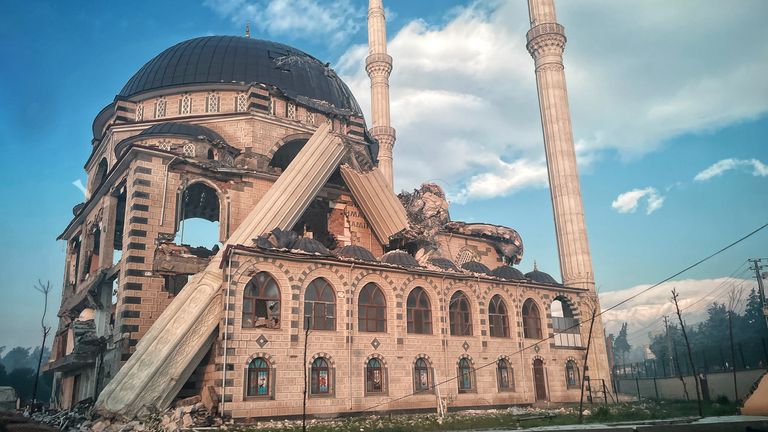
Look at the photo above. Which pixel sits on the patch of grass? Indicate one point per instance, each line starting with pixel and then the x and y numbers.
pixel 636 411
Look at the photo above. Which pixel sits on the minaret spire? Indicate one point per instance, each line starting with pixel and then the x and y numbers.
pixel 378 64
pixel 546 41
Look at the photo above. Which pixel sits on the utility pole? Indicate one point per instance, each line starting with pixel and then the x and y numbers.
pixel 688 346
pixel 761 289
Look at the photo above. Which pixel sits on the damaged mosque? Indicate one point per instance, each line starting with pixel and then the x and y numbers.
pixel 322 278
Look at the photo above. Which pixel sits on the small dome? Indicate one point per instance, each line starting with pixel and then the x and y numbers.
pixel 541 277
pixel 476 267
pixel 78 208
pixel 400 258
pixel 356 252
pixel 508 273
pixel 182 129
pixel 310 245
pixel 443 263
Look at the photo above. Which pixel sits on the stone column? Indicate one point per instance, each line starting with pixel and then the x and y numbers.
pixel 378 64
pixel 546 41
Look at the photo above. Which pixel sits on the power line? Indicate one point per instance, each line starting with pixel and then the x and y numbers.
pixel 628 299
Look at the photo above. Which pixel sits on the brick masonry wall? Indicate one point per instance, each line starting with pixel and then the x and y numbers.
pixel 348 349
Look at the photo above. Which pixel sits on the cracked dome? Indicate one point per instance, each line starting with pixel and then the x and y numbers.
pixel 241 60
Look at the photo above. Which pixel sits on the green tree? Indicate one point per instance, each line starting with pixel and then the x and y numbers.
pixel 621 346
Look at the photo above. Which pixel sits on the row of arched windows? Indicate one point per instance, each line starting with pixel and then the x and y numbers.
pixel 260 377
pixel 261 308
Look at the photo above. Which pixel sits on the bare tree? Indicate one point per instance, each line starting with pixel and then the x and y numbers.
pixel 688 346
pixel 45 289
pixel 734 303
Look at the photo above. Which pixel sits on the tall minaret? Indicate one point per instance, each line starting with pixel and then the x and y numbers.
pixel 378 64
pixel 546 41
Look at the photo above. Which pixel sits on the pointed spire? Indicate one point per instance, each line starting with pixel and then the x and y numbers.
pixel 248 29
pixel 535 267
pixel 378 64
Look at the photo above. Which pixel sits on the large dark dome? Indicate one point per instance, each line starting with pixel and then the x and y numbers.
pixel 235 59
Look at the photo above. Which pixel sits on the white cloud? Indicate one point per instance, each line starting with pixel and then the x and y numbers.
pixel 309 19
pixel 644 314
pixel 759 169
pixel 629 201
pixel 464 97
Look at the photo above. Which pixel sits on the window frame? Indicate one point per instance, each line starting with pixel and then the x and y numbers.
pixel 571 364
pixel 314 378
pixel 460 315
pixel 495 318
pixel 252 373
pixel 418 310
pixel 427 368
pixel 366 310
pixel 260 295
pixel 510 378
pixel 316 303
pixel 370 389
pixel 532 328
pixel 464 368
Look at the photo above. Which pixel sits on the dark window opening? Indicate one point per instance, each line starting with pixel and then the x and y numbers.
pixel 286 154
pixel 498 317
pixel 211 154
pixel 261 302
pixel 314 223
pixel 460 315
pixel 75 257
pixel 100 176
pixel 419 312
pixel 372 309
pixel 320 306
pixel 531 320
pixel 175 283
pixel 119 225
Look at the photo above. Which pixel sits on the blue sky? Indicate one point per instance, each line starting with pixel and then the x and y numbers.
pixel 659 93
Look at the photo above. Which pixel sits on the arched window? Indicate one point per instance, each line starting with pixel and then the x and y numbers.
pixel 571 374
pixel 498 317
pixel 421 375
pixel 185 104
pixel 531 320
pixel 320 306
pixel 198 216
pixel 419 312
pixel 460 315
pixel 372 309
pixel 504 376
pixel 466 379
pixel 212 103
pixel 100 176
pixel 211 155
pixel 320 377
pixel 564 324
pixel 261 302
pixel 374 376
pixel 258 378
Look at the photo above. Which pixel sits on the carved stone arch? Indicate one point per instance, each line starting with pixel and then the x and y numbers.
pixel 326 356
pixel 378 357
pixel 413 281
pixel 565 298
pixel 466 286
pixel 285 140
pixel 363 276
pixel 270 360
pixel 538 357
pixel 468 357
pixel 253 265
pixel 506 358
pixel 423 356
pixel 333 274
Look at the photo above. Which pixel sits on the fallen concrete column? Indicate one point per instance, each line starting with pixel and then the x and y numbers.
pixel 171 349
pixel 374 194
